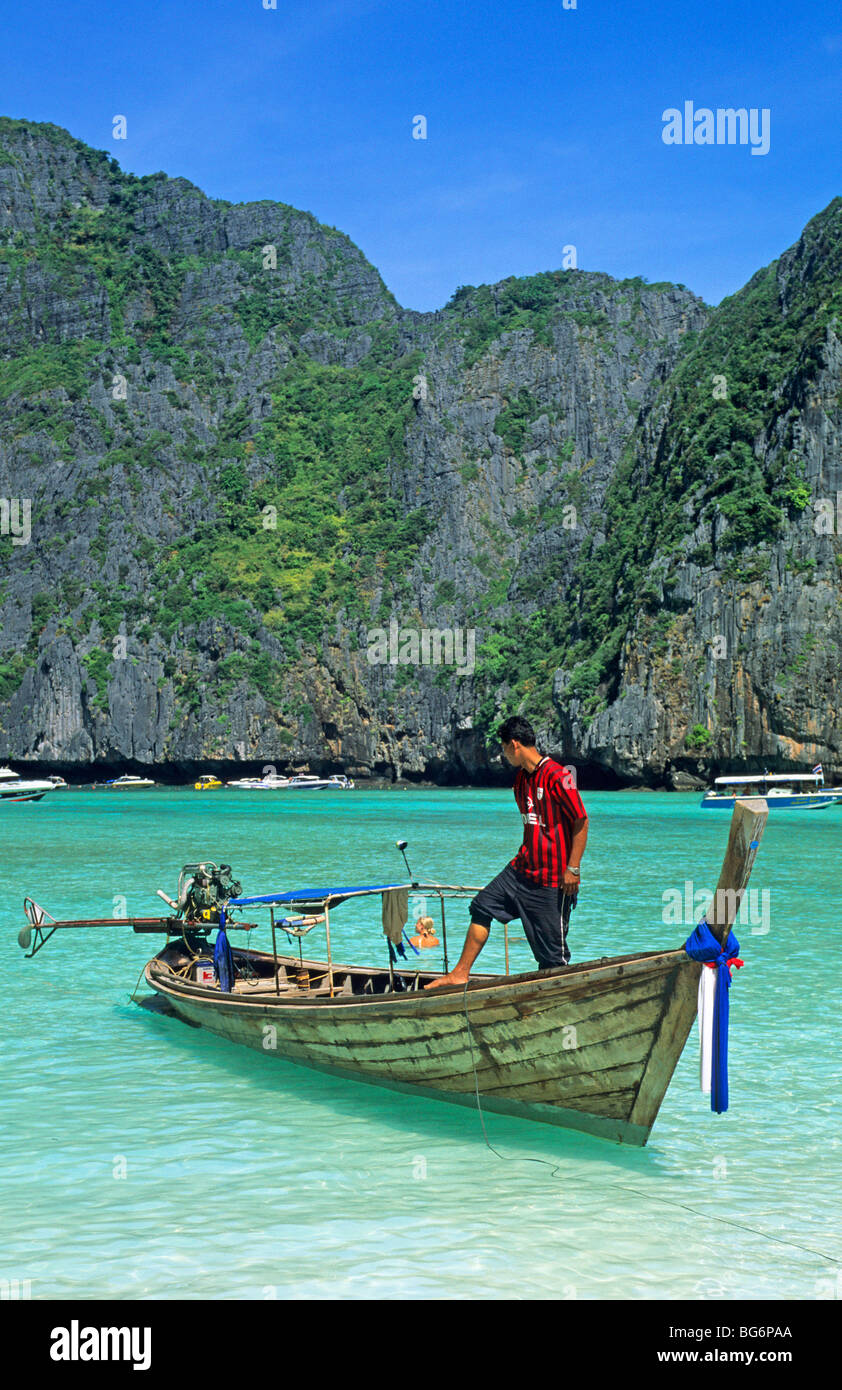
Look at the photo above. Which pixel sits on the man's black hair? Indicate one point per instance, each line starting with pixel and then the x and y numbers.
pixel 518 728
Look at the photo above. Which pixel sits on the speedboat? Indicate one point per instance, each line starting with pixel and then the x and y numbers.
pixel 305 782
pixel 129 783
pixel 302 781
pixel 271 782
pixel 783 790
pixel 57 782
pixel 206 783
pixel 14 788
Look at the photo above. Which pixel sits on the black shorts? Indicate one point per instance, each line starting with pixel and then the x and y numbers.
pixel 539 909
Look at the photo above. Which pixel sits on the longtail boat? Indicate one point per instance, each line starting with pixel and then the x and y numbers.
pixel 785 791
pixel 590 1047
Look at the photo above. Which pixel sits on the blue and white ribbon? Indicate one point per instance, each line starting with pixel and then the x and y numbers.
pixel 714 988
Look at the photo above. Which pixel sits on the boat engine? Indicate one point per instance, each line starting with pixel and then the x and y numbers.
pixel 203 889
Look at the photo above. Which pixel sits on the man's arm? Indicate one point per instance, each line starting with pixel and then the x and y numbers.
pixel 577 848
pixel 573 812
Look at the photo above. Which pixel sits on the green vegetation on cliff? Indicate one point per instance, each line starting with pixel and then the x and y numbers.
pixel 255 488
pixel 300 519
pixel 309 525
pixel 714 436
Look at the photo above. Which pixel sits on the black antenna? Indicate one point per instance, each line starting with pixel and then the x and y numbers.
pixel 401 845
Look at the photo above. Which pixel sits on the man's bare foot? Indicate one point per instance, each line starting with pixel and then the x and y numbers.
pixel 455 977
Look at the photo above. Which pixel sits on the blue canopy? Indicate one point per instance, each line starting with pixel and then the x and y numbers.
pixel 311 895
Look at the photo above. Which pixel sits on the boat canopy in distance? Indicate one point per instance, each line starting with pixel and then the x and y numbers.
pixel 768 777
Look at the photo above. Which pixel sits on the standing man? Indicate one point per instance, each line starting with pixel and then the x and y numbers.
pixel 545 869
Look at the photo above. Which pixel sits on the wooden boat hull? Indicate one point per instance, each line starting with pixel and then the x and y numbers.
pixel 591 1047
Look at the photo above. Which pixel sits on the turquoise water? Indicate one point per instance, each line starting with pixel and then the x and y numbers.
pixel 141 1158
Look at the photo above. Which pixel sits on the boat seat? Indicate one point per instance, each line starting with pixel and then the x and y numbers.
pixel 262 985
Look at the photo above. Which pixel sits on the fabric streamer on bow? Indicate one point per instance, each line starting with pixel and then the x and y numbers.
pixel 714 994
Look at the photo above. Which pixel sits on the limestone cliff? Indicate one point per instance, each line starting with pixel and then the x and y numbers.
pixel 243 458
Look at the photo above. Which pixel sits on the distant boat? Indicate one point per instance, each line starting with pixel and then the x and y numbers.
pixel 271 782
pixel 302 782
pixel 14 788
pixel 320 784
pixel 57 782
pixel 782 790
pixel 206 783
pixel 128 783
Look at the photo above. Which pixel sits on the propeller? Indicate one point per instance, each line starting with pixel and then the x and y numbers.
pixel 35 917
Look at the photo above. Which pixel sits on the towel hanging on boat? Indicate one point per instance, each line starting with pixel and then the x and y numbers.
pixel 395 913
pixel 714 1008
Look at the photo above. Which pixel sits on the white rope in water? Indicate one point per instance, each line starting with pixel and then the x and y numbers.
pixel 505 1157
pixel 623 1187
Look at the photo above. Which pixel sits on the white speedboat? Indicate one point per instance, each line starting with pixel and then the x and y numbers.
pixel 128 783
pixel 58 782
pixel 319 784
pixel 14 788
pixel 301 782
pixel 782 790
pixel 271 782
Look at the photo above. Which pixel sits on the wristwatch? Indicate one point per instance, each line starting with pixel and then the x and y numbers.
pixel 572 869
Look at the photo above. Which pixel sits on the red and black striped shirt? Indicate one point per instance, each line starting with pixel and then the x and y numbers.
pixel 550 806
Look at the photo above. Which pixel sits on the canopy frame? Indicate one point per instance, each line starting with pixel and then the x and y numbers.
pixel 326 899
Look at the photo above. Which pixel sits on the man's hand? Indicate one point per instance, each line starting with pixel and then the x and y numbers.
pixel 570 882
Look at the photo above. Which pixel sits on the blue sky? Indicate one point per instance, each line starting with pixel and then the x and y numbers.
pixel 543 124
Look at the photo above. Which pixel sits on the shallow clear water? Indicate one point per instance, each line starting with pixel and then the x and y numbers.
pixel 141 1158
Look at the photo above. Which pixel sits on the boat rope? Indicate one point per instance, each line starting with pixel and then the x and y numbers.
pixel 775 1240
pixel 508 1158
pixel 132 999
pixel 623 1187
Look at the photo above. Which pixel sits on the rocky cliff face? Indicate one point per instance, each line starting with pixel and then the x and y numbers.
pixel 262 493
pixel 733 656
